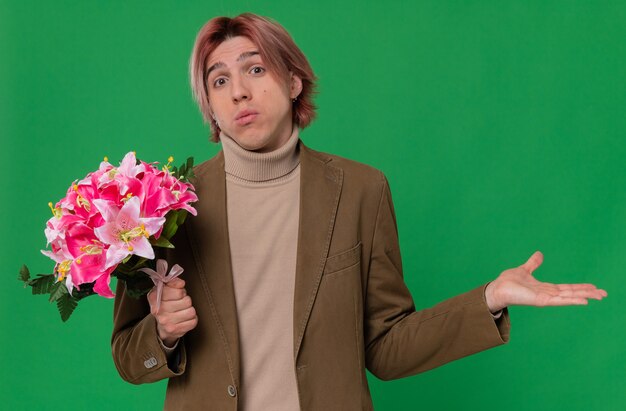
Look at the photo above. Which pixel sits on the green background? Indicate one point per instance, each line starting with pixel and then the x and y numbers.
pixel 500 126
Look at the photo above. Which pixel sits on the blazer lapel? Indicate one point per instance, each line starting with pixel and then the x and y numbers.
pixel 212 253
pixel 320 188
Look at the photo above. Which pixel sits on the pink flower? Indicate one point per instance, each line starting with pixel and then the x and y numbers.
pixel 78 204
pixel 184 197
pixel 89 259
pixel 165 193
pixel 129 167
pixel 64 259
pixel 158 199
pixel 125 231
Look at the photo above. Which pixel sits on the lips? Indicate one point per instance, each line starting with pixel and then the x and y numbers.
pixel 245 116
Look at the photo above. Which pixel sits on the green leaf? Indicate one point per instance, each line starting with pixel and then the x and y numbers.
pixel 162 242
pixel 135 284
pixel 171 224
pixel 85 290
pixel 24 275
pixel 137 292
pixel 133 263
pixel 42 284
pixel 182 214
pixel 57 291
pixel 185 171
pixel 66 305
pixel 190 174
pixel 141 262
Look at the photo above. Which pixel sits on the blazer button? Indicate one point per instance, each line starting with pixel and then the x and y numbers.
pixel 232 391
pixel 150 362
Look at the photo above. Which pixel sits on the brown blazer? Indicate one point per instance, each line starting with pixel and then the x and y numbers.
pixel 352 309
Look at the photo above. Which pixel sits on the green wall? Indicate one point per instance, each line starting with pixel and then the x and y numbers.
pixel 500 126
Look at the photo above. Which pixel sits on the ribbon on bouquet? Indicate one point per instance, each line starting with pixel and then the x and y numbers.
pixel 160 277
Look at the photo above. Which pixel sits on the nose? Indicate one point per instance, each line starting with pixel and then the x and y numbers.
pixel 240 90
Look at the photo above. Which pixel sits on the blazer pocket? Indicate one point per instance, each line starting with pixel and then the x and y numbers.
pixel 342 260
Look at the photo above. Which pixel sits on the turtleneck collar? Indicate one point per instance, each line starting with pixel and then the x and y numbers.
pixel 259 167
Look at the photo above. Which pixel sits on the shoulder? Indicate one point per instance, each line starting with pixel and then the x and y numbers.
pixel 354 172
pixel 363 186
pixel 208 166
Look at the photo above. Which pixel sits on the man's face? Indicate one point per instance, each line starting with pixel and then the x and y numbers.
pixel 251 104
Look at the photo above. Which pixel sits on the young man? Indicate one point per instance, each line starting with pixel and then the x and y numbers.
pixel 293 283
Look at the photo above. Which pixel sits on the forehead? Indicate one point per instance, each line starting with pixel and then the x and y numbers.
pixel 229 51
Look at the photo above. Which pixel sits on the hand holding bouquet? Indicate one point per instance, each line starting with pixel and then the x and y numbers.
pixel 107 224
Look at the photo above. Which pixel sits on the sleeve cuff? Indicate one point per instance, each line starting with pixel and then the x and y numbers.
pixel 149 361
pixel 167 349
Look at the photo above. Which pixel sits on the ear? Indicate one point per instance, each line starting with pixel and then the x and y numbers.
pixel 295 86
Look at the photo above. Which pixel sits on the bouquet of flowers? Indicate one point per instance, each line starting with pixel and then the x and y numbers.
pixel 107 225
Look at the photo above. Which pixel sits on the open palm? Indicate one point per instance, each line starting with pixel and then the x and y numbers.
pixel 517 286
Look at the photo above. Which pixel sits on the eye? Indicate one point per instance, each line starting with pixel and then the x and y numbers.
pixel 257 70
pixel 219 81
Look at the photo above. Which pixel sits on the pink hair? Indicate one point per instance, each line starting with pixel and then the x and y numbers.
pixel 277 49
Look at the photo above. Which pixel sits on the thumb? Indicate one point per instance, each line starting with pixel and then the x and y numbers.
pixel 533 262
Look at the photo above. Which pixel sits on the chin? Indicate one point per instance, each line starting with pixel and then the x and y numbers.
pixel 252 143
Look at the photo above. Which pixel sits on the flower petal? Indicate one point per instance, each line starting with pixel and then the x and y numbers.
pixel 128 165
pixel 152 224
pixel 108 234
pixel 108 210
pixel 115 255
pixel 142 248
pixel 101 287
pixel 68 283
pixel 128 218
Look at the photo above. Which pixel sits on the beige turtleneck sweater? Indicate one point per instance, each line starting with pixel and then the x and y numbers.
pixel 263 202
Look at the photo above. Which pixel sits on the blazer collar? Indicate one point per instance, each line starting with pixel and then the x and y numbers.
pixel 320 188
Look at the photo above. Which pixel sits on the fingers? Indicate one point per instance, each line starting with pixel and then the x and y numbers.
pixel 576 286
pixel 170 291
pixel 176 283
pixel 172 306
pixel 558 300
pixel 595 294
pixel 175 325
pixel 176 315
pixel 169 306
pixel 568 294
pixel 173 294
pixel 533 262
pixel 173 299
pixel 582 288
pixel 572 290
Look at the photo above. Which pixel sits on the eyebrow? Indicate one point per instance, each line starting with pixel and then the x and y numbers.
pixel 219 64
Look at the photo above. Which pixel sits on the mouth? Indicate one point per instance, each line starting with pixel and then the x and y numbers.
pixel 246 117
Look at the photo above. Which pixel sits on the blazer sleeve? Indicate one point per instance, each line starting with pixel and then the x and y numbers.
pixel 137 351
pixel 400 341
